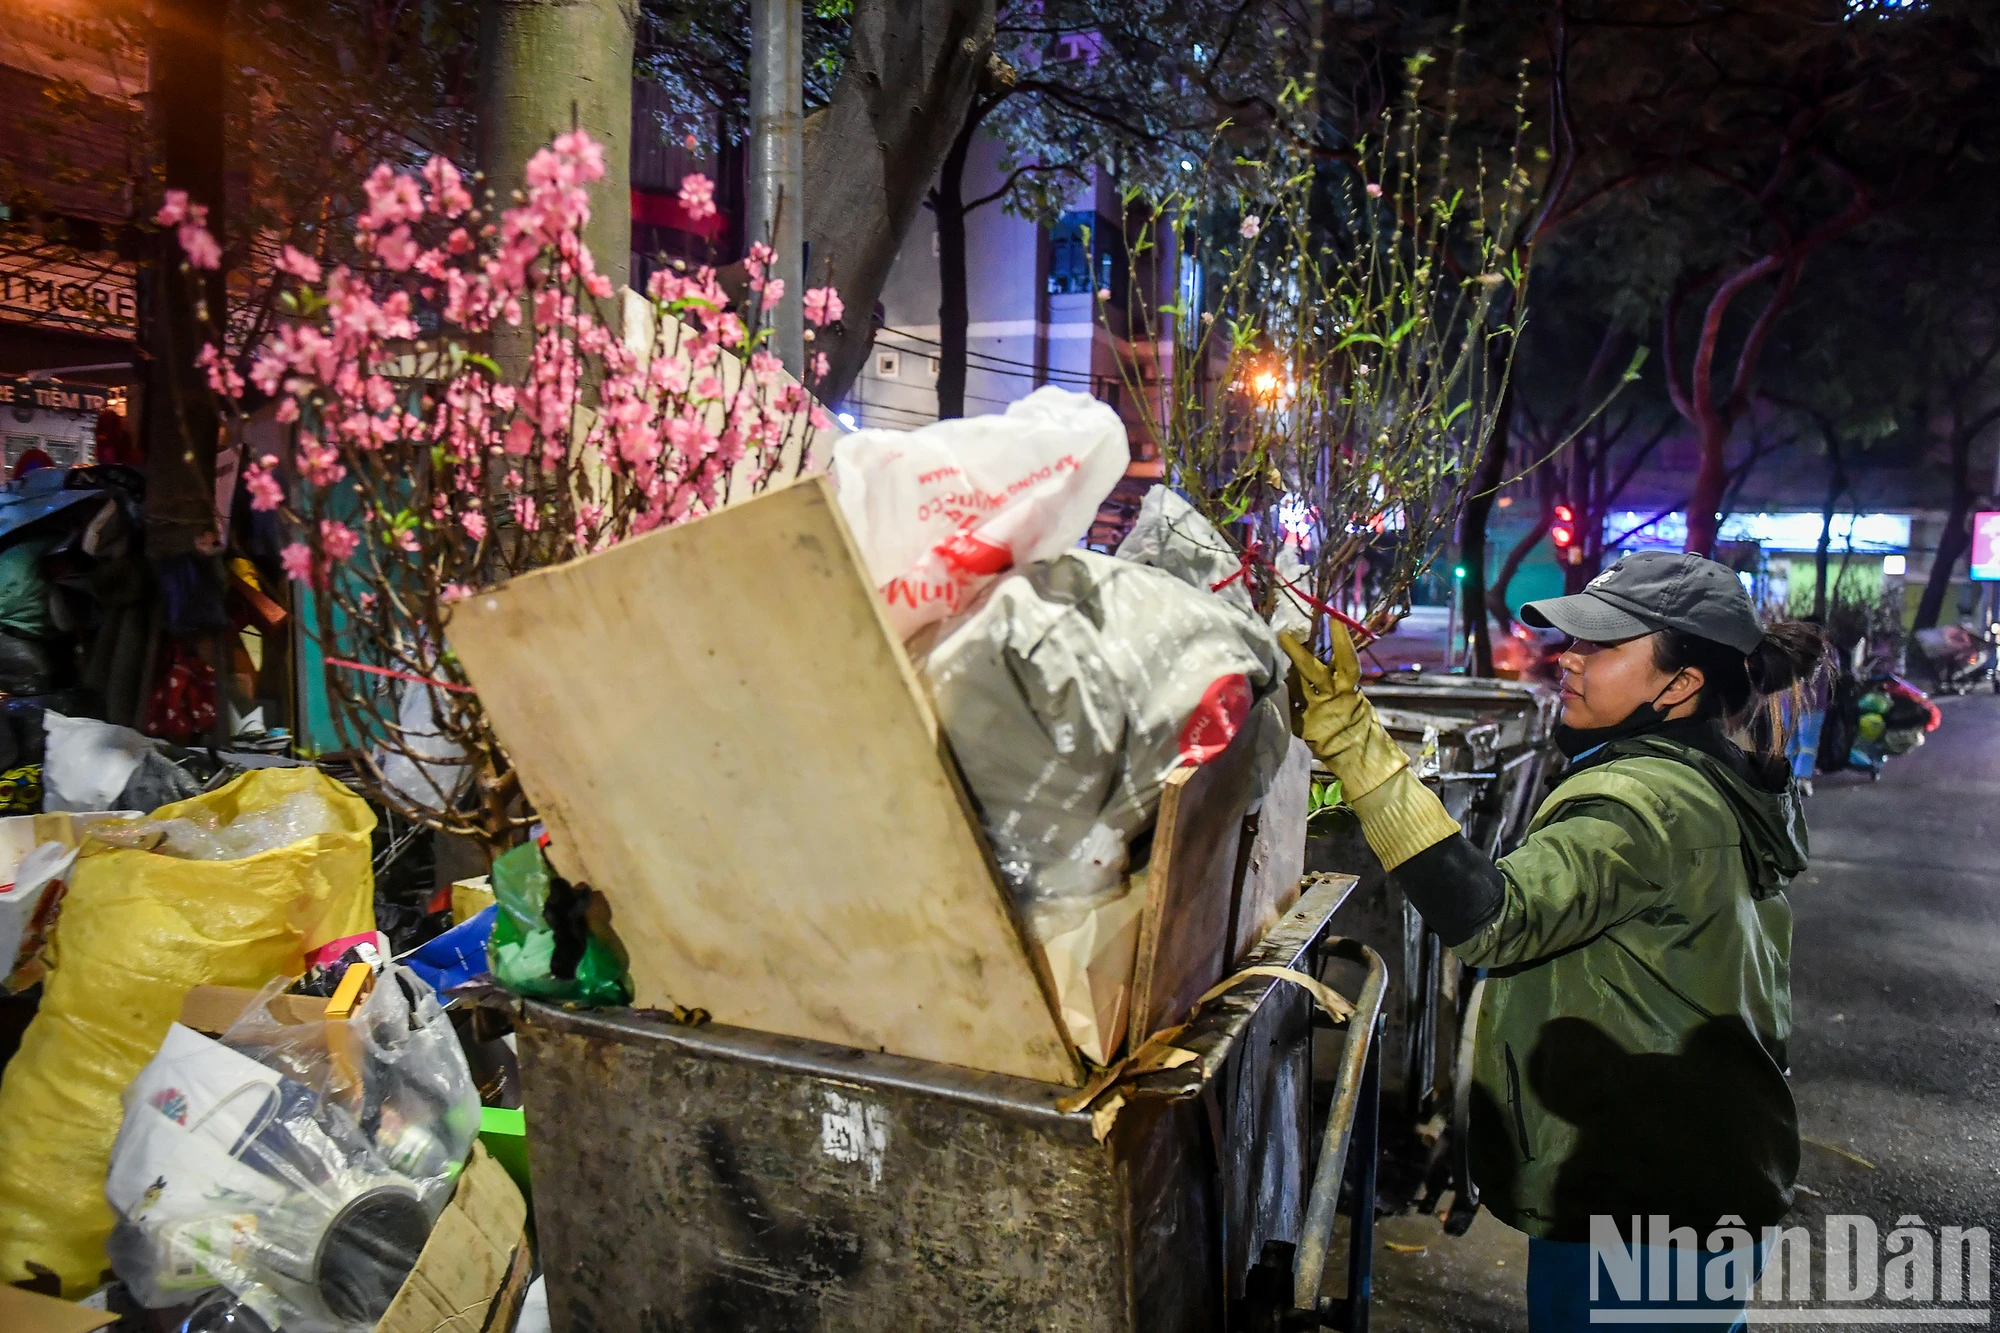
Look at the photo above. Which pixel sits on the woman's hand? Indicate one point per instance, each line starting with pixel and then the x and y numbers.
pixel 1340 725
pixel 1400 816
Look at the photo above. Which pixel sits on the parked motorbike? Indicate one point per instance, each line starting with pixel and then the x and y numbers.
pixel 1961 660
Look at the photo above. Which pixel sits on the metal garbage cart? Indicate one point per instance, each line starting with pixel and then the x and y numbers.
pixel 711 1178
pixel 1485 746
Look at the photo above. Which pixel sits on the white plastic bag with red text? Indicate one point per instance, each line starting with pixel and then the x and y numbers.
pixel 941 511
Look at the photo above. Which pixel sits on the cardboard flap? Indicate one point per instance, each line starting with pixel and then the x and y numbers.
pixel 724 738
pixel 30 1312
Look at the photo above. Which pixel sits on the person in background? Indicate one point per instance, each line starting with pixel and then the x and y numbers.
pixel 113 441
pixel 1630 1056
pixel 31 460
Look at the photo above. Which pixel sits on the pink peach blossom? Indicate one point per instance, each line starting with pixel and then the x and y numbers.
pixel 823 306
pixel 299 264
pixel 698 196
pixel 297 558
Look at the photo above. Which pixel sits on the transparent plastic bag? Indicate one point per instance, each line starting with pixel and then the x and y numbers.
pixel 202 834
pixel 300 1166
pixel 396 1068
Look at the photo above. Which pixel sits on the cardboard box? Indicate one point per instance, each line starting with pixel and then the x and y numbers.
pixel 30 1312
pixel 212 1009
pixel 473 1272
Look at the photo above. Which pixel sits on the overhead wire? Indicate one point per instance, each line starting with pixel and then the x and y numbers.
pixel 1049 373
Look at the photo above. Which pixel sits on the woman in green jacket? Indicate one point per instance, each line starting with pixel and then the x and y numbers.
pixel 1630 1059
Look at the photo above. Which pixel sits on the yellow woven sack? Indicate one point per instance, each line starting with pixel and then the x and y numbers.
pixel 137 932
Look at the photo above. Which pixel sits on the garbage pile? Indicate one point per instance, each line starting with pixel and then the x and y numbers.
pixel 71 571
pixel 1872 720
pixel 1069 683
pixel 282 1167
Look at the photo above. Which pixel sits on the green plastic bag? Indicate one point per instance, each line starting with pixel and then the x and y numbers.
pixel 523 945
pixel 24 591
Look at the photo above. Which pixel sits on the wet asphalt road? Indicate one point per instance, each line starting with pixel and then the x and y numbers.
pixel 1896 982
pixel 1896 1045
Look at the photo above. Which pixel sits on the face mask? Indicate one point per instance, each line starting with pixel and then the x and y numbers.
pixel 1575 741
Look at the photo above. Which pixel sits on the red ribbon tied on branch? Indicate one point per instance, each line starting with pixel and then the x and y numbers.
pixel 1249 557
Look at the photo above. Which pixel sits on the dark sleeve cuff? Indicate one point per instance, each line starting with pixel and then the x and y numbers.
pixel 1454 887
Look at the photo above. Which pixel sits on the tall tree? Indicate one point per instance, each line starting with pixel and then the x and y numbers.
pixel 1965 407
pixel 1078 86
pixel 180 423
pixel 897 79
pixel 1752 138
pixel 1584 437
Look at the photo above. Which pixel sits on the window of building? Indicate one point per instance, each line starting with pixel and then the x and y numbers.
pixel 888 365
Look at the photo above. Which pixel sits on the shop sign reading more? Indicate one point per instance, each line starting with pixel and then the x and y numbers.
pixel 1986 546
pixel 74 293
pixel 51 396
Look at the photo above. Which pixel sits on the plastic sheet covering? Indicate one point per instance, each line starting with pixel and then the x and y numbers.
pixel 88 762
pixel 298 1165
pixel 137 931
pixel 24 590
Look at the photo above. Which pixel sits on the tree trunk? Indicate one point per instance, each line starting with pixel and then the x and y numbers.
pixel 1956 538
pixel 551 64
pixel 954 309
pixel 1472 527
pixel 912 71
pixel 1711 479
pixel 181 423
pixel 1835 486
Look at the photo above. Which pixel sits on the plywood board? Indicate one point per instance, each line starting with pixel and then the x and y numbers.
pixel 723 737
pixel 1190 889
pixel 1277 853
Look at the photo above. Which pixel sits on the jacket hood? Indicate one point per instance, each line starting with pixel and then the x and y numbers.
pixel 1764 797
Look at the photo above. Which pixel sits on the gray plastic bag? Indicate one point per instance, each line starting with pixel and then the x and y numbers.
pixel 1072 691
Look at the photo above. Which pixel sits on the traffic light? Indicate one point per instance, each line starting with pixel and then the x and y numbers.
pixel 1563 534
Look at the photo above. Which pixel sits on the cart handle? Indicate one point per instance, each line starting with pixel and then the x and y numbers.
pixel 1316 1241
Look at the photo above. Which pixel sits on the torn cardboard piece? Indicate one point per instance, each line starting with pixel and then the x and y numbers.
pixel 1090 955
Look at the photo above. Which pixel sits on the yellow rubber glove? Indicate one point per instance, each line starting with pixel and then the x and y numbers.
pixel 1399 815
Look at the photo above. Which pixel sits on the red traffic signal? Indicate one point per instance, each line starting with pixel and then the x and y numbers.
pixel 1562 531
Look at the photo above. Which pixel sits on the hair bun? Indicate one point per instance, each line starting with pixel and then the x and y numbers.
pixel 1792 652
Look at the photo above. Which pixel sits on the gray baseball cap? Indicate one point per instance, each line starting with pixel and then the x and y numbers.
pixel 1648 591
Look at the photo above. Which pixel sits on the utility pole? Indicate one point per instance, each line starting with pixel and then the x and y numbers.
pixel 778 165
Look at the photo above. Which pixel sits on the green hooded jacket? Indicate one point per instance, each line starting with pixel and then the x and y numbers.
pixel 1630 1057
